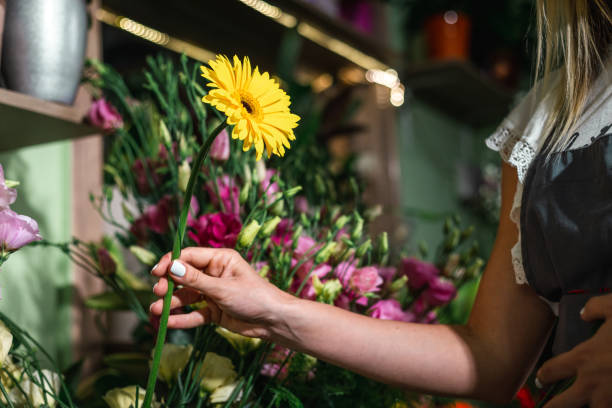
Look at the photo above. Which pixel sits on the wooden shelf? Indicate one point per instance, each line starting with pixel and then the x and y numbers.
pixel 27 121
pixel 231 27
pixel 459 90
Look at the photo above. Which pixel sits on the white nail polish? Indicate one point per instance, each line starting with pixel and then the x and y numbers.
pixel 177 269
pixel 154 286
pixel 581 311
pixel 154 267
pixel 538 383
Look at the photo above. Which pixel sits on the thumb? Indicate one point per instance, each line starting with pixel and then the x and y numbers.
pixel 185 274
pixel 597 308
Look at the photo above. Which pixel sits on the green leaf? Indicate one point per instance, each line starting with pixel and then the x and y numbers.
pixel 115 301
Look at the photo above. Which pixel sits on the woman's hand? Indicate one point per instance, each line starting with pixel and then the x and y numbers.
pixel 237 297
pixel 590 362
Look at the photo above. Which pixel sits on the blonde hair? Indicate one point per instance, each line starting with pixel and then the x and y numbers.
pixel 573 39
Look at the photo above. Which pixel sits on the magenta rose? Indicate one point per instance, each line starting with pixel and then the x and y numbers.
pixel 228 192
pixel 418 272
pixel 439 292
pixel 218 230
pixel 155 218
pixel 220 148
pixel 390 309
pixel 282 233
pixel 16 230
pixel 104 115
pixel 7 195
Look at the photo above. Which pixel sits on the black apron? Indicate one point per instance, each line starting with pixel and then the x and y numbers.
pixel 566 233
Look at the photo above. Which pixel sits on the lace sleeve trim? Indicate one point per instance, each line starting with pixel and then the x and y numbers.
pixel 519 154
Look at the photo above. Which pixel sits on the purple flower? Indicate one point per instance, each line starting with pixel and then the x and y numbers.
pixel 308 291
pixel 220 148
pixel 218 230
pixel 439 292
pixel 390 309
pixel 16 230
pixel 7 195
pixel 418 272
pixel 301 204
pixel 387 273
pixel 228 192
pixel 104 115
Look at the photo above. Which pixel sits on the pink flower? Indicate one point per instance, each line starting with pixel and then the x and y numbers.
pixel 274 361
pixel 308 291
pixel 418 272
pixel 344 271
pixel 390 309
pixel 155 218
pixel 220 148
pixel 306 246
pixel 104 115
pixel 107 264
pixel 218 230
pixel 439 292
pixel 16 230
pixel 365 280
pixel 7 195
pixel 387 273
pixel 228 191
pixel 301 204
pixel 267 186
pixel 283 232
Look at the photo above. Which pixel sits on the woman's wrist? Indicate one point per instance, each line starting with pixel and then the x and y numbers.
pixel 284 313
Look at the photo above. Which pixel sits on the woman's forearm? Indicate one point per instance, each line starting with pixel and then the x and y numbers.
pixel 430 358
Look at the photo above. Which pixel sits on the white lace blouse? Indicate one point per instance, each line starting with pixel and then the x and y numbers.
pixel 520 136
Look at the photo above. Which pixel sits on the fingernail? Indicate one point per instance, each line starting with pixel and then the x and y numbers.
pixel 177 269
pixel 154 267
pixel 581 311
pixel 150 307
pixel 154 286
pixel 538 383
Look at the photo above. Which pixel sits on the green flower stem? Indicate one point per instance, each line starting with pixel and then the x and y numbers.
pixel 176 253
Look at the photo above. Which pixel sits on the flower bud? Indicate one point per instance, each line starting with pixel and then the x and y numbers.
pixel 260 171
pixel 373 212
pixel 452 240
pixel 474 269
pixel 466 233
pixel 341 221
pixel 304 220
pixel 423 249
pixel 451 264
pixel 297 233
pixel 143 255
pixel 184 172
pixel 11 183
pixel 278 208
pixel 325 252
pixel 247 234
pixel 357 228
pixel 363 248
pixel 448 225
pixel 108 266
pixel 382 247
pixel 164 133
pixel 399 283
pixel 292 192
pixel 269 227
pixel 326 292
pixel 244 193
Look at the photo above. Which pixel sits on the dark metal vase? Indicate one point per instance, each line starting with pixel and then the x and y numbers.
pixel 44 47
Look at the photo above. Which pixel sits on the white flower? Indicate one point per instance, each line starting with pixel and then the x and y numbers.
pixel 173 360
pixel 216 371
pixel 242 344
pixel 126 397
pixel 6 340
pixel 35 392
pixel 223 393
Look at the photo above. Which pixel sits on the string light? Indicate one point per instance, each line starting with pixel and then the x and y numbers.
pixel 376 71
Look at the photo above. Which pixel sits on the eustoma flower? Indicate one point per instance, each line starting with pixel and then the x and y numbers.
pixel 16 230
pixel 259 112
pixel 103 115
pixel 7 195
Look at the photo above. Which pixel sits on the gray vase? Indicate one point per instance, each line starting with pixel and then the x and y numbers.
pixel 44 47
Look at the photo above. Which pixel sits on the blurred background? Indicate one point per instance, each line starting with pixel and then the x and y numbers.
pixel 403 91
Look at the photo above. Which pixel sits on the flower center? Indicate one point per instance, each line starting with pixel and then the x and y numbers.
pixel 250 104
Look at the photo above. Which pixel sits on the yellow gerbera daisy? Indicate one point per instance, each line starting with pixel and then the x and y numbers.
pixel 253 103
